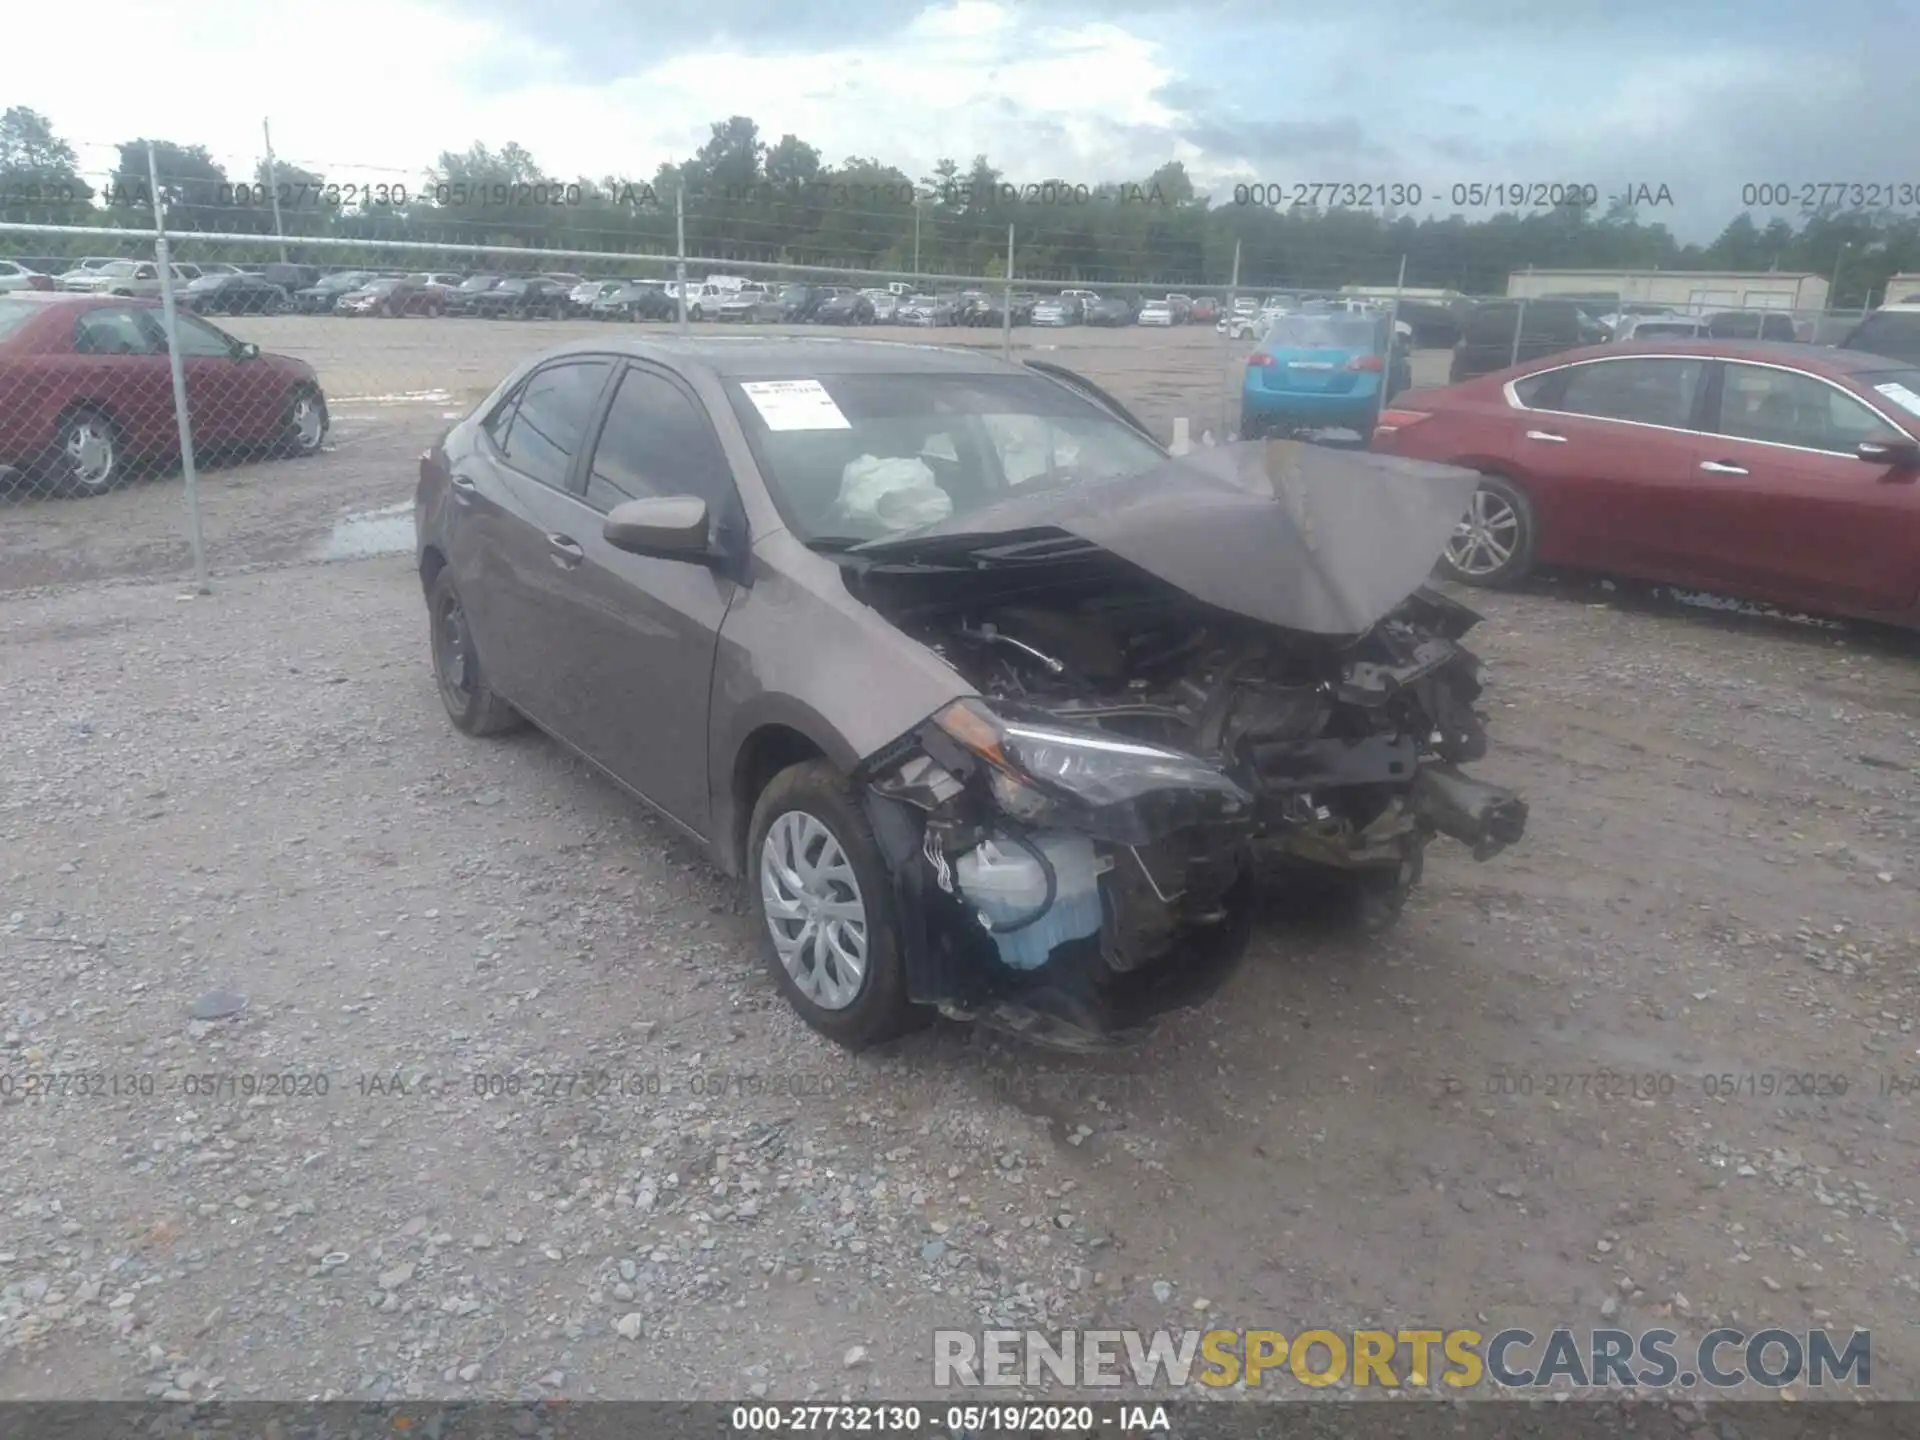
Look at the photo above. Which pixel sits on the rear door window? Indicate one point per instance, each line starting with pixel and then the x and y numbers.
pixel 115 330
pixel 549 424
pixel 1647 392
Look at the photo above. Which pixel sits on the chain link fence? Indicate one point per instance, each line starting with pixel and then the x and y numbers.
pixel 290 400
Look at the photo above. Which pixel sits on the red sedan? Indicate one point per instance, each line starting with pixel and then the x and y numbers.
pixel 86 391
pixel 1775 472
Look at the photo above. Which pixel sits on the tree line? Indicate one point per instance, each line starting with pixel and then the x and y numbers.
pixel 742 197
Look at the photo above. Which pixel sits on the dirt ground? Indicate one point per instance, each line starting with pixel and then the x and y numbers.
pixel 1557 1093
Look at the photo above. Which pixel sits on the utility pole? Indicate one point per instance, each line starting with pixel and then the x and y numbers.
pixel 1233 286
pixel 680 250
pixel 273 190
pixel 916 241
pixel 1006 304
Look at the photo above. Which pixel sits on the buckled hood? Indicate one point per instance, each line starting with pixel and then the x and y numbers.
pixel 1300 536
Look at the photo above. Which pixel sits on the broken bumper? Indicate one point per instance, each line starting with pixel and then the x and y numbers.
pixel 1073 888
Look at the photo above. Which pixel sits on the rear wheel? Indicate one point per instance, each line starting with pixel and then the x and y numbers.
pixel 90 459
pixel 1494 542
pixel 473 708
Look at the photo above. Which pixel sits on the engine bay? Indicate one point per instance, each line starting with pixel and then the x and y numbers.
pixel 1134 758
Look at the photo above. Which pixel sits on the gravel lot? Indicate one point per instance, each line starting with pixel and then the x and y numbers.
pixel 255 794
pixel 393 385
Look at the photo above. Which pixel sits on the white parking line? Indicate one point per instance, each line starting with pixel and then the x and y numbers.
pixel 403 397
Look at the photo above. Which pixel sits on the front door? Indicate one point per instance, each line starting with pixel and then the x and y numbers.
pixel 1791 510
pixel 632 666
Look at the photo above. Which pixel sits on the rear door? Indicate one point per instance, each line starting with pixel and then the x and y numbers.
pixel 1789 509
pixel 120 363
pixel 514 580
pixel 1605 452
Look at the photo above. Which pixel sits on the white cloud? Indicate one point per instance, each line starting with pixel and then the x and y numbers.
pixel 392 83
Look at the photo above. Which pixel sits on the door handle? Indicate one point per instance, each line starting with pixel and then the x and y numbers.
pixel 464 490
pixel 566 551
pixel 1548 436
pixel 1721 467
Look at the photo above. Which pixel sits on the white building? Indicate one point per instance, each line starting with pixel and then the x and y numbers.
pixel 1695 291
pixel 1902 289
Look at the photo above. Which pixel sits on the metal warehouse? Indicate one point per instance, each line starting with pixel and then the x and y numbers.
pixel 1698 290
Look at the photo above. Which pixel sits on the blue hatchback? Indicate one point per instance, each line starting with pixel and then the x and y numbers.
pixel 1322 372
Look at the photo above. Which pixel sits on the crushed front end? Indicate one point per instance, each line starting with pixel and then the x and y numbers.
pixel 1077 849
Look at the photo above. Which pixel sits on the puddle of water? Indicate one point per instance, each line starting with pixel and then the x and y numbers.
pixel 386 531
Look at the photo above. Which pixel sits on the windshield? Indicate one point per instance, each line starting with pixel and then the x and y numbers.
pixel 479 282
pixel 1892 333
pixel 14 314
pixel 851 458
pixel 515 286
pixel 1898 392
pixel 116 267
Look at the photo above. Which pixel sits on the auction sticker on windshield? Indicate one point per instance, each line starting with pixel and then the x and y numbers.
pixel 1899 394
pixel 795 405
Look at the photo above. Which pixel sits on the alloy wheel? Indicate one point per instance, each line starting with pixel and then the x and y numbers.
pixel 92 455
pixel 1485 540
pixel 307 425
pixel 814 910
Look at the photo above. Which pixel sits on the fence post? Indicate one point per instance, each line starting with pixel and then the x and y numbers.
pixel 273 191
pixel 1519 324
pixel 182 421
pixel 1006 304
pixel 680 251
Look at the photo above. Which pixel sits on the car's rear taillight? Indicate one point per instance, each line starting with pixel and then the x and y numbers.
pixel 1373 364
pixel 1391 421
pixel 1261 359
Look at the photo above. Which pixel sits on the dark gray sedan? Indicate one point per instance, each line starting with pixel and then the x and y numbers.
pixel 994 706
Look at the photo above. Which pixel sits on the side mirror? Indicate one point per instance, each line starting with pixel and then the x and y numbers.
pixel 1901 454
pixel 665 527
pixel 247 351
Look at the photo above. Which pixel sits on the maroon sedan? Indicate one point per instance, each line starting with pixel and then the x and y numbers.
pixel 1776 472
pixel 86 391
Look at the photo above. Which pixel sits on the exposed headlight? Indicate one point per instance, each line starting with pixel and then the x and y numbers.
pixel 1099 770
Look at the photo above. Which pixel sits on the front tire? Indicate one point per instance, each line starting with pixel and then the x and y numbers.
pixel 828 929
pixel 1493 546
pixel 472 707
pixel 304 427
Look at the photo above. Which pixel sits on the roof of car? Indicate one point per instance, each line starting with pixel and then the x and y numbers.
pixel 749 357
pixel 82 299
pixel 1766 352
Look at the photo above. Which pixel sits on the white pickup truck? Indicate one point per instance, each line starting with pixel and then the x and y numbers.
pixel 139 279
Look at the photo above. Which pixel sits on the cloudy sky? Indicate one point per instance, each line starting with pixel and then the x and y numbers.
pixel 1701 97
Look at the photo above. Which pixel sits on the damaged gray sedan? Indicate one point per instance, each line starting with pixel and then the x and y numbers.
pixel 1000 711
